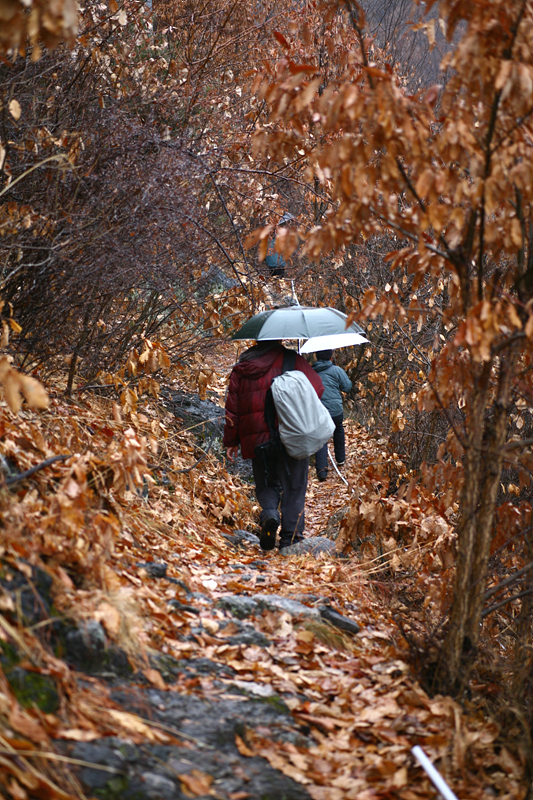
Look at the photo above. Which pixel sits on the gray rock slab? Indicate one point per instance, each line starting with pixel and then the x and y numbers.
pixel 242 539
pixel 238 605
pixel 312 546
pixel 249 637
pixel 157 787
pixel 275 602
pixel 339 620
pixel 86 644
pixel 242 606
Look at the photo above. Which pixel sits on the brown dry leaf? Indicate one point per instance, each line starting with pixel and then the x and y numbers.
pixel 110 618
pixel 12 390
pixel 135 724
pixel 34 392
pixel 25 777
pixel 326 793
pixel 65 579
pixel 197 783
pixel 16 385
pixel 77 734
pixel 117 416
pixel 16 790
pixel 26 725
pixel 72 489
pixel 243 748
pixel 155 678
pixel 14 109
pixel 4 341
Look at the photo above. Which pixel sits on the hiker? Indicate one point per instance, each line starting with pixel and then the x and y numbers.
pixel 335 381
pixel 281 483
pixel 275 261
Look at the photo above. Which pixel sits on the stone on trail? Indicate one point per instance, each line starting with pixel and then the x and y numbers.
pixel 241 606
pixel 242 539
pixel 249 636
pixel 238 605
pixel 153 569
pixel 312 546
pixel 275 602
pixel 157 787
pixel 338 620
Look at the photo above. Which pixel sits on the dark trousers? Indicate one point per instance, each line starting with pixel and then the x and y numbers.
pixel 287 494
pixel 321 458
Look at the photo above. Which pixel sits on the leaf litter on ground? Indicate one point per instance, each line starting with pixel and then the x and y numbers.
pixel 98 521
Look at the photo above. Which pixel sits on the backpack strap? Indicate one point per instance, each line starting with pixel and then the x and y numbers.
pixel 289 363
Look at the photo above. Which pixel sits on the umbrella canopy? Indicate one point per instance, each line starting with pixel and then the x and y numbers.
pixel 296 322
pixel 332 342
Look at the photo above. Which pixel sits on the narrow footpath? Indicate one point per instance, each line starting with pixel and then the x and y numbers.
pixel 201 666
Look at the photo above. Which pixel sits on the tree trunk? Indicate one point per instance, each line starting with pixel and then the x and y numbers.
pixel 482 470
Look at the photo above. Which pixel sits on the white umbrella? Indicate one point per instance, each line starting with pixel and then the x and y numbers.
pixel 296 322
pixel 332 341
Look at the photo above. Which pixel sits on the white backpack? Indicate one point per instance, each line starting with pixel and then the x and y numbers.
pixel 305 425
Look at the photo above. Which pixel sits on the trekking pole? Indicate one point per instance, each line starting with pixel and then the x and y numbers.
pixel 434 776
pixel 337 470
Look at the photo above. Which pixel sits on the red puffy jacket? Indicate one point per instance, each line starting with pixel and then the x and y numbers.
pixel 249 382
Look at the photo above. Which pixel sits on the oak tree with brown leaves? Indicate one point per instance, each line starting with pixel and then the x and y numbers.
pixel 446 172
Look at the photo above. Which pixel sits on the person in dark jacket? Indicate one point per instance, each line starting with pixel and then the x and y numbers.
pixel 275 261
pixel 282 487
pixel 335 381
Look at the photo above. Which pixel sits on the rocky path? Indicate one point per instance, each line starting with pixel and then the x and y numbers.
pixel 206 668
pixel 266 677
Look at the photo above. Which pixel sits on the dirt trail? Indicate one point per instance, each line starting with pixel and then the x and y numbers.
pixel 208 668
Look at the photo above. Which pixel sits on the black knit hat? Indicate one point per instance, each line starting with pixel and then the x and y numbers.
pixel 324 355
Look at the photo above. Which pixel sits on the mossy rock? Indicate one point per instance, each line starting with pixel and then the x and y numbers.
pixel 276 703
pixel 31 689
pixel 9 655
pixel 113 790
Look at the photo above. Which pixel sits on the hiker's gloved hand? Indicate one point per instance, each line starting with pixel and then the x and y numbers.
pixel 232 452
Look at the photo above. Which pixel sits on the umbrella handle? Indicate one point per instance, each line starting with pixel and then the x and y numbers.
pixel 297 301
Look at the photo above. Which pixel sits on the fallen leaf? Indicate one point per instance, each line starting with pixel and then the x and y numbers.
pixel 34 392
pixel 14 109
pixel 77 735
pixel 196 782
pixel 109 616
pixel 16 790
pixel 26 725
pixel 243 748
pixel 135 724
pixel 155 678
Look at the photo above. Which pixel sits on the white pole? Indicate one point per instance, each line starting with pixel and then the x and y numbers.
pixel 435 777
pixel 336 469
pixel 294 293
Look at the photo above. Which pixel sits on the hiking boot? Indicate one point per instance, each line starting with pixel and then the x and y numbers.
pixel 322 476
pixel 341 463
pixel 269 528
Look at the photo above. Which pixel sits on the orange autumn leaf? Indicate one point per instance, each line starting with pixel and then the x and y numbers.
pixel 196 783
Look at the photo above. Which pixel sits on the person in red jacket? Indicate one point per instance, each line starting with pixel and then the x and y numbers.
pixel 246 426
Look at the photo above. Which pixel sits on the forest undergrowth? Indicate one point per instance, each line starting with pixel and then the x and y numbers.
pixel 133 489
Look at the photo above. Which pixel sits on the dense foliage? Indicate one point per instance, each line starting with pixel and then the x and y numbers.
pixel 145 163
